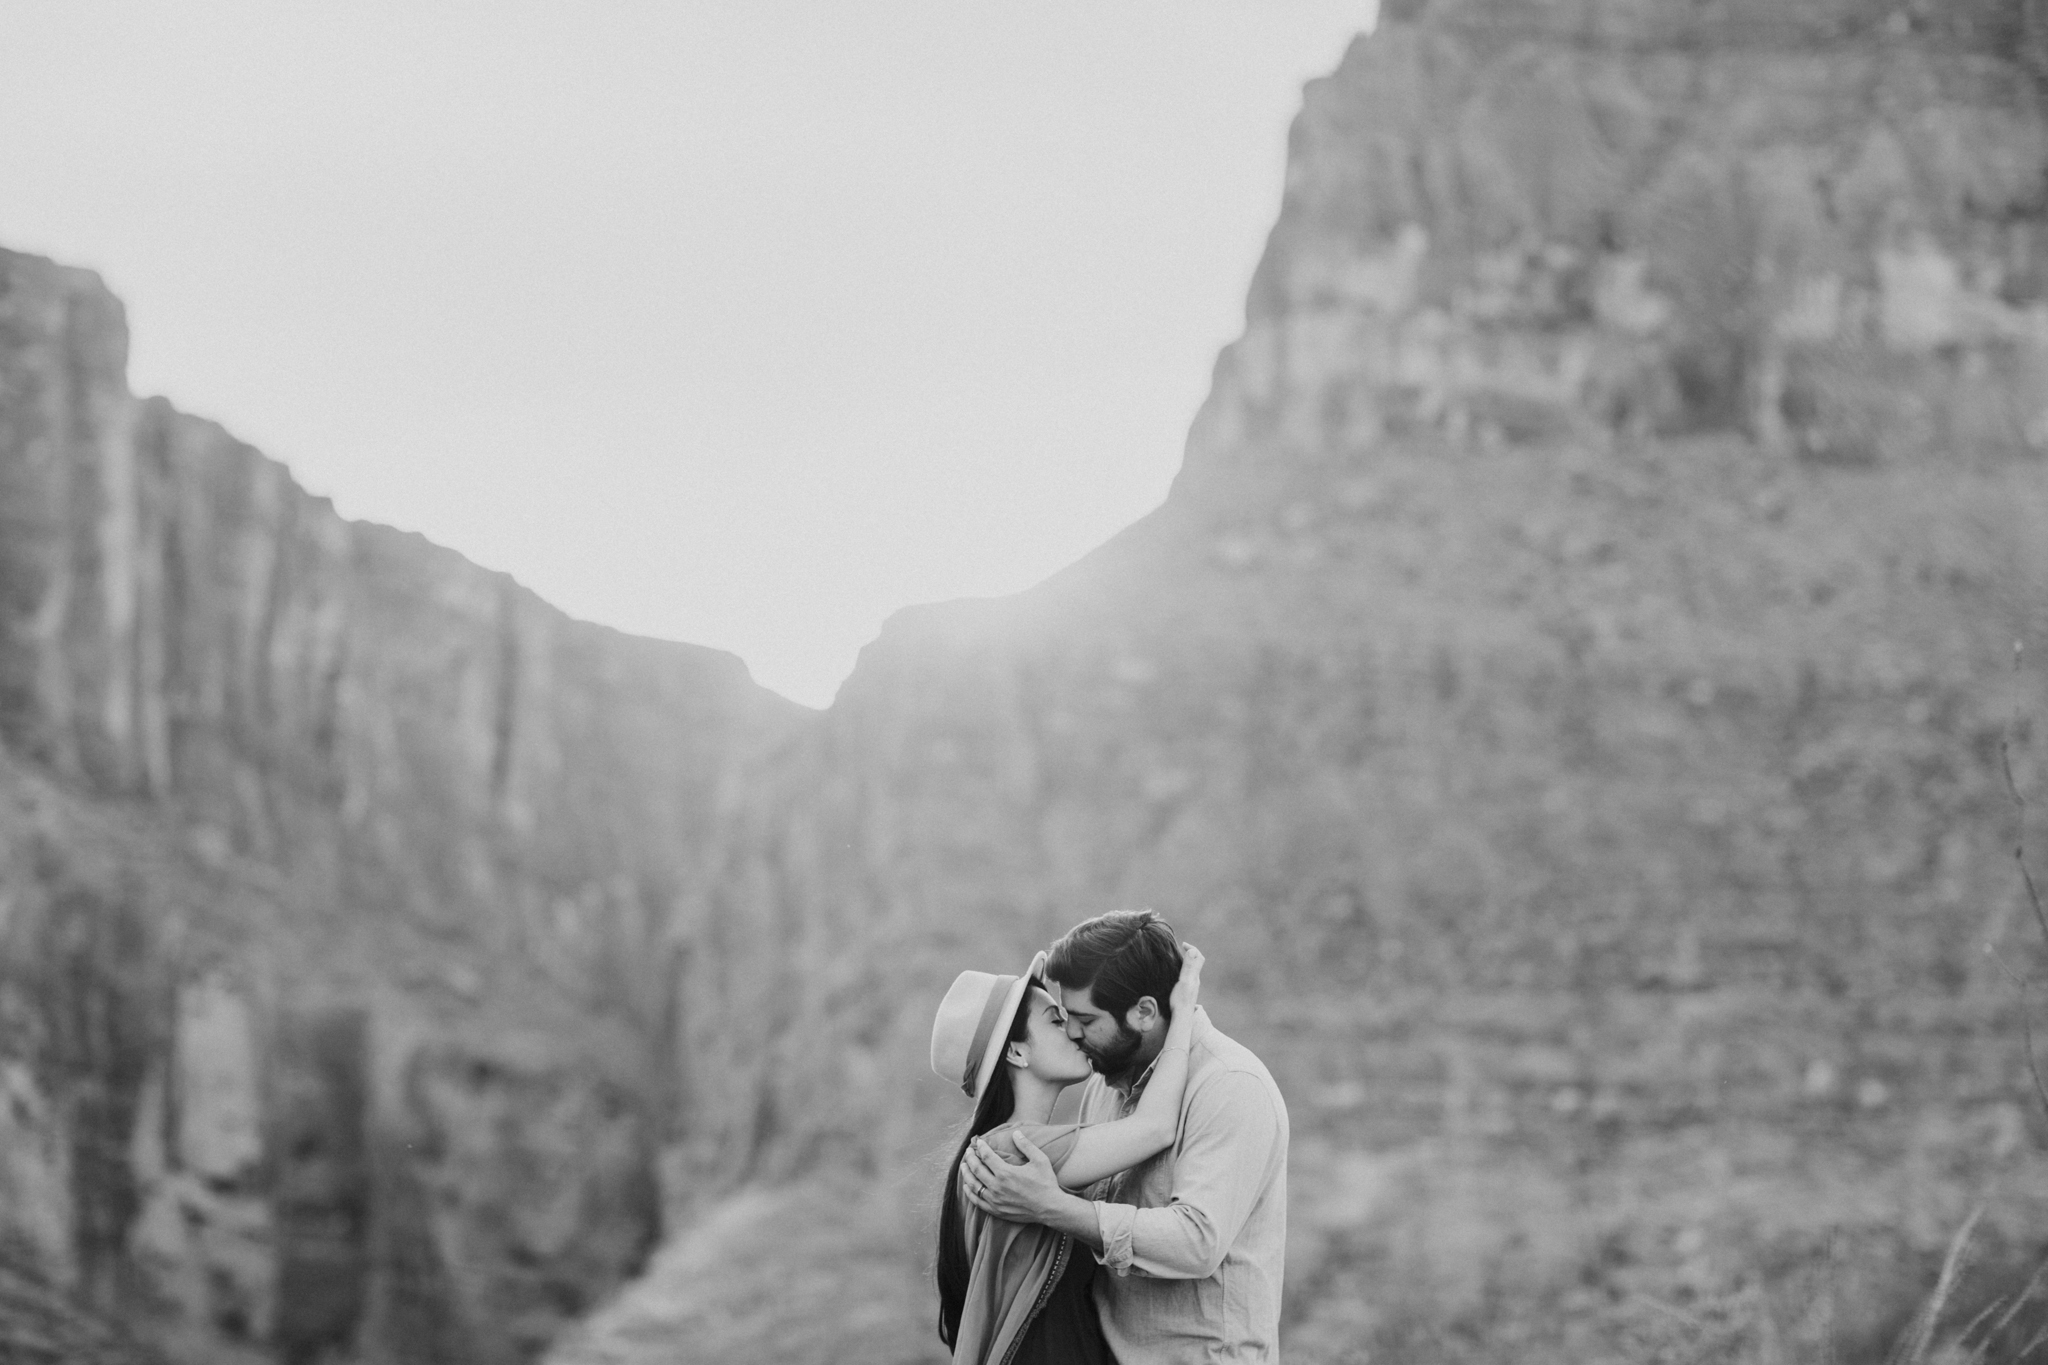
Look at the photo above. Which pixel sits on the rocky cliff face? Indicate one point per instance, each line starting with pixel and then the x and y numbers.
pixel 1564 694
pixel 335 877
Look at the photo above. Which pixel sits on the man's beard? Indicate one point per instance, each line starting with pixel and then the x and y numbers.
pixel 1116 1059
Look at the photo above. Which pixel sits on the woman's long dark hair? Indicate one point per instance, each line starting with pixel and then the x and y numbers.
pixel 998 1101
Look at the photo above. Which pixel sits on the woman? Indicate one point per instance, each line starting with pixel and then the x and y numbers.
pixel 1018 1294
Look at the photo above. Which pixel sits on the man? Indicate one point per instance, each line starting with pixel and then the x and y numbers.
pixel 1193 1241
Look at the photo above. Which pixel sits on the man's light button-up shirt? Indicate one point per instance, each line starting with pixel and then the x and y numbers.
pixel 1195 1238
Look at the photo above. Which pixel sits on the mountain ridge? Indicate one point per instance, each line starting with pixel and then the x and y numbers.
pixel 389 1064
pixel 1562 692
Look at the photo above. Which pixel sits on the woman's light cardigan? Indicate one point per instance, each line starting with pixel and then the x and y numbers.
pixel 1012 1267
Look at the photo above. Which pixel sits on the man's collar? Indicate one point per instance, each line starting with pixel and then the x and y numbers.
pixel 1137 1087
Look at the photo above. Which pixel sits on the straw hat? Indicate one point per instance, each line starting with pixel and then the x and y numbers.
pixel 973 1021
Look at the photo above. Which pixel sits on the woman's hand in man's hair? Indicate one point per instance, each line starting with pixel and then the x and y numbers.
pixel 1190 983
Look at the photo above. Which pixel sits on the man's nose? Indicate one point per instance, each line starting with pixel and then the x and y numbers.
pixel 1073 1030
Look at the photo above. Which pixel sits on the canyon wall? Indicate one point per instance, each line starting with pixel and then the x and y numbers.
pixel 1611 531
pixel 336 883
pixel 1564 693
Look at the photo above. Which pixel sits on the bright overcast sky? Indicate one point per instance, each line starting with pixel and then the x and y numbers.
pixel 743 322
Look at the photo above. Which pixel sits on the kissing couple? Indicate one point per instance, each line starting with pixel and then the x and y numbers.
pixel 1153 1230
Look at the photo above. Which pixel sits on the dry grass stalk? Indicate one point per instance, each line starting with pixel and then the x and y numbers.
pixel 2019 853
pixel 1912 1347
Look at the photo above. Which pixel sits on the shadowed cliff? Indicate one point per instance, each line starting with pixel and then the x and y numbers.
pixel 335 882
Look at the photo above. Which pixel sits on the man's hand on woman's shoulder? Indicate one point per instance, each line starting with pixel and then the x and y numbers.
pixel 1026 1193
pixel 1021 1193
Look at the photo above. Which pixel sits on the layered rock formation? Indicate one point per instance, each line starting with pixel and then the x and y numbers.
pixel 334 882
pixel 1564 693
pixel 1624 486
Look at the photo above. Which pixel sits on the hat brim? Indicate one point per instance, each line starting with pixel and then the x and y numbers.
pixel 992 1055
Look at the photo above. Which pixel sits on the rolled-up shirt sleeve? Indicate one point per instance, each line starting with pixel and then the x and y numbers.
pixel 1114 1222
pixel 1229 1133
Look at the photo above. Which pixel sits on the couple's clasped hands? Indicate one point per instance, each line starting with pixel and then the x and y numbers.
pixel 1031 1192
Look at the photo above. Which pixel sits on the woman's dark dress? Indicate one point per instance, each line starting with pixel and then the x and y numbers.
pixel 1067 1330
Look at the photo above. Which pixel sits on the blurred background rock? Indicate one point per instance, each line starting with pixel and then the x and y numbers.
pixel 1564 694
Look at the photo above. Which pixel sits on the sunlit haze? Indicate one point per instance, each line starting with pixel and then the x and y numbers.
pixel 738 323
